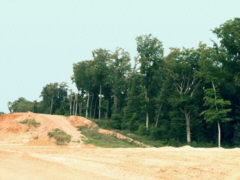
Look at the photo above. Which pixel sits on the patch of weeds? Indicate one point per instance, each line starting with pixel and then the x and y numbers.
pixel 144 139
pixel 60 136
pixel 103 140
pixel 31 122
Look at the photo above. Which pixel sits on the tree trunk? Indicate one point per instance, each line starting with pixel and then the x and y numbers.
pixel 80 109
pixel 76 98
pixel 218 124
pixel 187 117
pixel 156 124
pixel 87 105
pixel 70 105
pixel 51 108
pixel 219 135
pixel 95 108
pixel 100 99
pixel 73 109
pixel 147 120
pixel 115 103
pixel 91 106
pixel 147 115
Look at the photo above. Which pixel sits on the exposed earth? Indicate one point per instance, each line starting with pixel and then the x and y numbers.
pixel 28 153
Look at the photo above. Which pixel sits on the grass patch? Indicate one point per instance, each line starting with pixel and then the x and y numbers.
pixel 60 136
pixel 31 122
pixel 143 139
pixel 103 140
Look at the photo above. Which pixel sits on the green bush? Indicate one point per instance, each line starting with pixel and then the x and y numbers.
pixel 155 133
pixel 30 122
pixel 142 130
pixel 115 122
pixel 174 142
pixel 60 136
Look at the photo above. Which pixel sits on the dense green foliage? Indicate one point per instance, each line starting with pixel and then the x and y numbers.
pixel 175 99
pixel 60 136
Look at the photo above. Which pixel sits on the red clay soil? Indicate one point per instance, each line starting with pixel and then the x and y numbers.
pixel 12 131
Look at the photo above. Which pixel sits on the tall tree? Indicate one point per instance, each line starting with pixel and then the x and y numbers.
pixel 150 55
pixel 53 94
pixel 217 110
pixel 101 59
pixel 83 77
pixel 119 71
pixel 229 57
pixel 182 67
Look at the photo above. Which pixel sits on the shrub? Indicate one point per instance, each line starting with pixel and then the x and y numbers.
pixel 60 136
pixel 174 142
pixel 142 130
pixel 155 133
pixel 30 122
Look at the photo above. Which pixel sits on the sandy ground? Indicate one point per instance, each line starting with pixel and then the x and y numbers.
pixel 24 157
pixel 72 162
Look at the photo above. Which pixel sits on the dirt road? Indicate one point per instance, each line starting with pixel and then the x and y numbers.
pixel 54 162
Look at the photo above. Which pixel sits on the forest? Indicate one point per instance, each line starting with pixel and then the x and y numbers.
pixel 189 96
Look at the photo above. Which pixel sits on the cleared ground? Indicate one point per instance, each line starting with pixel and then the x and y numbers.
pixel 27 162
pixel 22 156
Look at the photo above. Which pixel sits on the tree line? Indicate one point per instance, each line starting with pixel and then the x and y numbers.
pixel 191 95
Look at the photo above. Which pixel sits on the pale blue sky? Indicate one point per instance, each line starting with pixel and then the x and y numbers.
pixel 41 39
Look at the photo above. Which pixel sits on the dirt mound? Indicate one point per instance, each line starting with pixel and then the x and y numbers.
pixel 13 131
pixel 81 122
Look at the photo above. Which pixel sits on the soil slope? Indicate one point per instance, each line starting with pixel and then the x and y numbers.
pixel 12 131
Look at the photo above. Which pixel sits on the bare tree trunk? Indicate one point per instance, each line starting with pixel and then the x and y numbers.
pixel 91 111
pixel 73 109
pixel 115 103
pixel 76 99
pixel 156 124
pixel 147 115
pixel 218 124
pixel 187 117
pixel 70 105
pixel 80 109
pixel 100 98
pixel 147 120
pixel 51 108
pixel 95 108
pixel 87 105
pixel 219 135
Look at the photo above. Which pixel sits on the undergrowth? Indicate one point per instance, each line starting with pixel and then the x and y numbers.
pixel 60 136
pixel 103 140
pixel 31 122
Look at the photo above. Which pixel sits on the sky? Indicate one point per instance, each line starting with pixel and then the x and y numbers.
pixel 41 39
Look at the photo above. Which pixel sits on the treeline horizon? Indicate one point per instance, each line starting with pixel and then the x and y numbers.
pixel 190 96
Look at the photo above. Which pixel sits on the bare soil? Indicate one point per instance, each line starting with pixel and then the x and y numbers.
pixel 23 157
pixel 89 162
